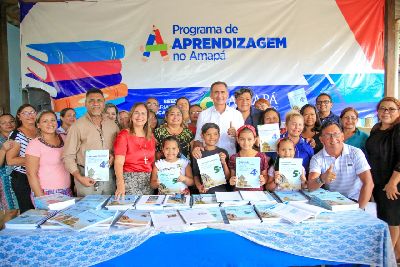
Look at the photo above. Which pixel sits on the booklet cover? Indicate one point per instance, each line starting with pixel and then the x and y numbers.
pixel 93 201
pixel 257 197
pixel 205 200
pixel 166 218
pixel 88 218
pixel 248 172
pixel 289 212
pixel 211 171
pixel 297 98
pixel 314 192
pixel 177 201
pixel 216 212
pixel 169 182
pixel 230 199
pixel 288 196
pixel 265 214
pixel 123 203
pixel 96 164
pixel 197 216
pixel 53 202
pixel 150 202
pixel 242 214
pixel 30 219
pixel 133 219
pixel 334 201
pixel 290 171
pixel 268 134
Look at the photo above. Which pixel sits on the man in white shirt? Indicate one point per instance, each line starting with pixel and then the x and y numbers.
pixel 340 167
pixel 228 119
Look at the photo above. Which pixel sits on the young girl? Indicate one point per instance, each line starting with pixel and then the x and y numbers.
pixel 170 148
pixel 246 138
pixel 210 134
pixel 286 149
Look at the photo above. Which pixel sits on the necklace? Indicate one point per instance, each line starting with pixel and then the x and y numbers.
pixel 61 144
pixel 143 149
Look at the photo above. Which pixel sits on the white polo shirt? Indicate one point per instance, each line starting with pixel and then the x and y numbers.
pixel 347 167
pixel 223 121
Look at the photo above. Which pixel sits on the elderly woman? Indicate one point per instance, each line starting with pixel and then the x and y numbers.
pixel 44 167
pixel 352 135
pixel 383 151
pixel 312 124
pixel 174 126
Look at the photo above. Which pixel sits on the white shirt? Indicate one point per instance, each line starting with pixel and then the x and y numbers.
pixel 230 115
pixel 347 167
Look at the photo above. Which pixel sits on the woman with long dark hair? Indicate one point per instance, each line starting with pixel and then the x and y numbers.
pixel 25 132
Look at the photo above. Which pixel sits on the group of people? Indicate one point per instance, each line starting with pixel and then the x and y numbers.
pixel 37 158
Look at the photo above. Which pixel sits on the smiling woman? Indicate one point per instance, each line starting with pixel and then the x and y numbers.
pixel 44 167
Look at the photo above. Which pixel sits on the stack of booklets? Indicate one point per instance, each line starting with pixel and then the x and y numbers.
pixel 197 216
pixel 204 201
pixel 177 201
pixel 54 202
pixel 241 215
pixel 122 203
pixel 166 218
pixel 67 70
pixel 291 196
pixel 87 219
pixel 265 214
pixel 289 212
pixel 150 202
pixel 133 219
pixel 333 201
pixel 30 219
pixel 230 199
pixel 93 201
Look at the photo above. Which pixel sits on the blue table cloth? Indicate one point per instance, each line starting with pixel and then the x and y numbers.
pixel 347 237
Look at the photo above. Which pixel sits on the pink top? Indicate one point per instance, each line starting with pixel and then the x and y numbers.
pixel 139 152
pixel 52 173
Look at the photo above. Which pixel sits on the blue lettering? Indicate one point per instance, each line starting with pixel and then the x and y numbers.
pixel 187 42
pixel 206 43
pixel 261 42
pixel 226 43
pixel 196 43
pixel 251 43
pixel 177 44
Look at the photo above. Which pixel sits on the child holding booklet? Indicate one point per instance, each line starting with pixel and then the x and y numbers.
pixel 246 138
pixel 171 151
pixel 210 133
pixel 286 149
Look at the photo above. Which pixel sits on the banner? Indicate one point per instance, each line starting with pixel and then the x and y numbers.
pixel 133 49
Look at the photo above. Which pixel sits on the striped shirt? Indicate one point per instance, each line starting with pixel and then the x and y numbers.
pixel 347 167
pixel 23 140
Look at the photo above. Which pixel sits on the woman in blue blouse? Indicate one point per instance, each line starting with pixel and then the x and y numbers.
pixel 352 135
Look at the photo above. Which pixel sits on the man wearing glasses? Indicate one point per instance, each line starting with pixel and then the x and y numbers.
pixel 153 105
pixel 324 106
pixel 93 131
pixel 340 167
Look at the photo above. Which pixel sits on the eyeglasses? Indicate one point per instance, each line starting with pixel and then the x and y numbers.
pixel 332 135
pixel 28 113
pixel 195 112
pixel 350 118
pixel 151 104
pixel 390 110
pixel 325 102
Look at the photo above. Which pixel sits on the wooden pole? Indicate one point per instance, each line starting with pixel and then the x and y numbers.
pixel 4 82
pixel 390 42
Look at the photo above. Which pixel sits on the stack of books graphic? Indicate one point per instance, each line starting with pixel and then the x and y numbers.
pixel 67 70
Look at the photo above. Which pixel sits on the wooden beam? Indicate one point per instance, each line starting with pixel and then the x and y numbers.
pixel 4 82
pixel 390 42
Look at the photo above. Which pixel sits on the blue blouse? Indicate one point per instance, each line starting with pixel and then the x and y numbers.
pixel 358 139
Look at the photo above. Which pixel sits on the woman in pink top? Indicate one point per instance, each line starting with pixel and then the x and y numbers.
pixel 45 169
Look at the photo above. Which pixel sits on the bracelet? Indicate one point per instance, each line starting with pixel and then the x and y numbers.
pixel 320 181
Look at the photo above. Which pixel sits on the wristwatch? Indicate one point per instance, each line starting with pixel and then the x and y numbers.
pixel 319 181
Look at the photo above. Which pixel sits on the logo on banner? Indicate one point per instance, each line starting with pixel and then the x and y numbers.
pixel 155 43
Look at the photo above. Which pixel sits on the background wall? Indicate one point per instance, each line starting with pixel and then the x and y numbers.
pixel 14 64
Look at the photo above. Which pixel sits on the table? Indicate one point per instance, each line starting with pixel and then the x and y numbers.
pixel 347 237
